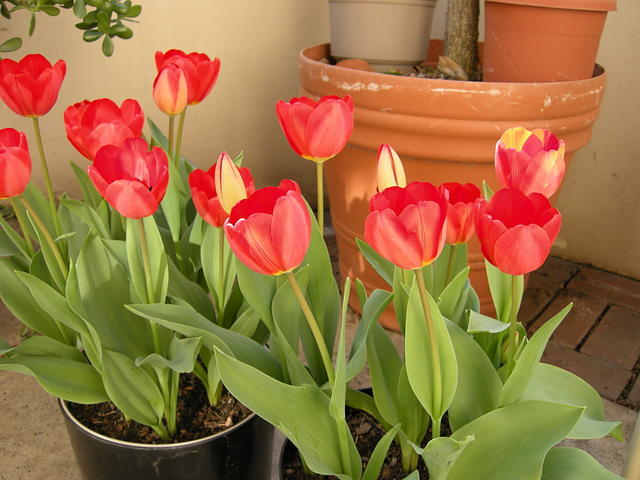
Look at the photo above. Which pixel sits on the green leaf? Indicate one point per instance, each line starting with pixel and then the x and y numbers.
pixel 134 11
pixel 500 285
pixel 192 293
pixel 11 45
pixel 553 384
pixel 182 355
pixel 379 454
pixel 79 8
pixel 487 192
pixel 415 475
pixel 40 204
pixel 511 442
pixel 11 243
pixel 401 288
pixel 32 24
pixel 381 265
pixel 91 35
pixel 371 311
pixel 42 346
pixel 186 321
pixel 89 192
pixel 528 360
pixel 441 454
pixel 564 463
pixel 246 323
pixel 479 386
pixel 479 323
pixel 453 297
pixel 422 347
pixel 210 258
pixel 286 311
pixel 173 203
pixel 51 11
pixel 290 409
pixel 64 378
pixel 385 366
pixel 258 291
pixel 157 135
pixel 88 215
pixel 131 389
pixel 107 46
pixel 18 299
pixel 153 289
pixel 48 252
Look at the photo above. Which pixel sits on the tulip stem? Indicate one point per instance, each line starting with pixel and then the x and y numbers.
pixel 144 249
pixel 47 178
pixel 513 323
pixel 435 355
pixel 47 235
pixel 23 226
pixel 320 186
pixel 315 329
pixel 170 137
pixel 221 293
pixel 179 136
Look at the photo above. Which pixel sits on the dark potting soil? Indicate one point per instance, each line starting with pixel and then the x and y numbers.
pixel 366 432
pixel 196 418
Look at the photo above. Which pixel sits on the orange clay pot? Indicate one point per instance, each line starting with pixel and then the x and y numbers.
pixel 542 40
pixel 443 130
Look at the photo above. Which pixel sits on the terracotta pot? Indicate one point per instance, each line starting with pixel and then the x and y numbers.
pixel 389 34
pixel 542 40
pixel 443 130
pixel 243 452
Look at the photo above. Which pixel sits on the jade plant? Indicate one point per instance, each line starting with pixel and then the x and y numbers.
pixel 99 19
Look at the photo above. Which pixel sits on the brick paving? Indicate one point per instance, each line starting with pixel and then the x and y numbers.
pixel 600 339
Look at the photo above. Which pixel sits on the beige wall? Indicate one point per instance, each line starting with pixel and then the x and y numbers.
pixel 258 43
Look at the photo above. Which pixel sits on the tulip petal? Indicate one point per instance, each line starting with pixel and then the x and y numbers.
pixel 250 240
pixel 522 249
pixel 291 229
pixel 384 231
pixel 328 129
pixel 131 198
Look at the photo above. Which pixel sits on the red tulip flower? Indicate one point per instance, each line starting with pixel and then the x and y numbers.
pixel 407 226
pixel 515 230
pixel 269 231
pixel 199 70
pixel 170 90
pixel 206 194
pixel 30 87
pixel 318 130
pixel 132 179
pixel 93 124
pixel 460 216
pixel 531 161
pixel 15 163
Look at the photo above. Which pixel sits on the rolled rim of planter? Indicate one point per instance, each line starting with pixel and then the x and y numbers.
pixel 595 5
pixel 149 446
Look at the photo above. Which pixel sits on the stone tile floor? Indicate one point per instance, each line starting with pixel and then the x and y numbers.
pixel 599 340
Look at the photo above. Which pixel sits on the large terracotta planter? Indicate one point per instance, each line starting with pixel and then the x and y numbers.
pixel 443 130
pixel 389 34
pixel 542 40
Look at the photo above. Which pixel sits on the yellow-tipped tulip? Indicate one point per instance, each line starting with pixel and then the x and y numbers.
pixel 170 90
pixel 229 183
pixel 390 170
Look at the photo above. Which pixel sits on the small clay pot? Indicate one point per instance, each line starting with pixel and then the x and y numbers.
pixel 243 452
pixel 542 40
pixel 444 131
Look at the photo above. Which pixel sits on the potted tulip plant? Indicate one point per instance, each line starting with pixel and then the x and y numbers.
pixel 75 266
pixel 445 129
pixel 502 417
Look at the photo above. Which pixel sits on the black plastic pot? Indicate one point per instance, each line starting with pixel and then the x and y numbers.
pixel 242 452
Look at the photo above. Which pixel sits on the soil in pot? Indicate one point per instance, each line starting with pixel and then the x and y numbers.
pixel 196 418
pixel 366 432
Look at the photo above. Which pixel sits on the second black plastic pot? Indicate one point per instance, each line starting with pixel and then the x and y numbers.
pixel 242 452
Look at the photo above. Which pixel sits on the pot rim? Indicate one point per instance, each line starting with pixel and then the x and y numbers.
pixel 593 5
pixel 148 446
pixel 419 3
pixel 466 86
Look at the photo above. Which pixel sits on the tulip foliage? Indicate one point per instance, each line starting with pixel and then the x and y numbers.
pixel 164 269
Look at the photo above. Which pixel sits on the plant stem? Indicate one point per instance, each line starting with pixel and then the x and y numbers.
pixel 47 178
pixel 179 137
pixel 23 226
pixel 147 277
pixel 435 355
pixel 513 323
pixel 47 235
pixel 320 186
pixel 313 325
pixel 221 280
pixel 170 137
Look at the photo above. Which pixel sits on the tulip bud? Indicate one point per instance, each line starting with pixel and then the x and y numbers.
pixel 229 183
pixel 390 170
pixel 170 90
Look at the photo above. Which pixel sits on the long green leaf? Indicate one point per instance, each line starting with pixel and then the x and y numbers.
pixel 158 282
pixel 379 454
pixel 526 363
pixel 553 384
pixel 564 463
pixel 385 366
pixel 381 265
pixel 192 293
pixel 420 349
